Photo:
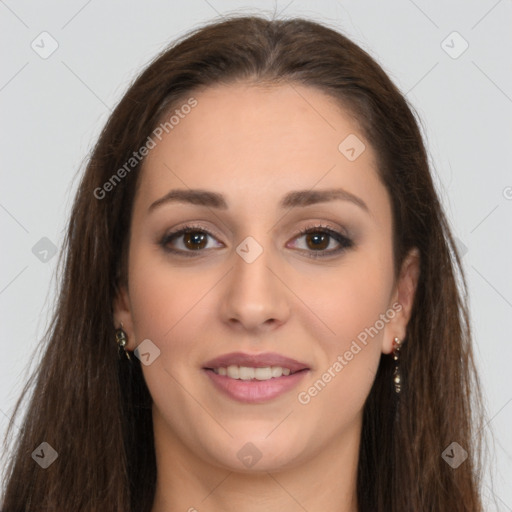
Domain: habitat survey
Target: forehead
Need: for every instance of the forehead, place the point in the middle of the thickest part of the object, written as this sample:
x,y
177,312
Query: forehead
x,y
250,141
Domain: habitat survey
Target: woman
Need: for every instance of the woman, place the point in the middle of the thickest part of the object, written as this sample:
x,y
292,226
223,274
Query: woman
x,y
258,233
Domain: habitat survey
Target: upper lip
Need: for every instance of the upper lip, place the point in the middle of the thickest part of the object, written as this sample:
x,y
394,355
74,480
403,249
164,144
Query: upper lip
x,y
255,361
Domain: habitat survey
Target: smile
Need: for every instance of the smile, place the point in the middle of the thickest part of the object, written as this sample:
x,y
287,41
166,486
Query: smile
x,y
254,378
249,373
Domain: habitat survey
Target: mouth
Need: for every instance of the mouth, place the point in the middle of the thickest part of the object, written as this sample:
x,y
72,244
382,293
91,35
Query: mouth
x,y
255,378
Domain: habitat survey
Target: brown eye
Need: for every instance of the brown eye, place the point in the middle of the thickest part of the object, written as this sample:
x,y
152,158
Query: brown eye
x,y
195,240
187,240
319,238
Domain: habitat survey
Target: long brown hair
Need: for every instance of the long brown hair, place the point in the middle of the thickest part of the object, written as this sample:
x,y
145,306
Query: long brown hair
x,y
95,409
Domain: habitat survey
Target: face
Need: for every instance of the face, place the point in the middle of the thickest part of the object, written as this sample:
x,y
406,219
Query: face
x,y
264,278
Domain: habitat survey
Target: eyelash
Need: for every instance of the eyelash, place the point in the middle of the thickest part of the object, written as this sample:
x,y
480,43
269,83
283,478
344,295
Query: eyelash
x,y
345,243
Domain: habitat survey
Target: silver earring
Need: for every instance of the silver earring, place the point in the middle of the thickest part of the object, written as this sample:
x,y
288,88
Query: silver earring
x,y
396,372
121,342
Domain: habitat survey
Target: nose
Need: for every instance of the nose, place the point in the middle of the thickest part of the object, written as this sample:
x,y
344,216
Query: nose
x,y
255,296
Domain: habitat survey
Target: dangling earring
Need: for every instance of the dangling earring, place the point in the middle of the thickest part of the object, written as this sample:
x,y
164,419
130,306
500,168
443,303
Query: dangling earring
x,y
121,341
396,372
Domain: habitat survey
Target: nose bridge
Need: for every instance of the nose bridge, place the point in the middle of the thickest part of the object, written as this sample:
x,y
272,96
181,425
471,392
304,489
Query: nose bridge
x,y
255,295
251,266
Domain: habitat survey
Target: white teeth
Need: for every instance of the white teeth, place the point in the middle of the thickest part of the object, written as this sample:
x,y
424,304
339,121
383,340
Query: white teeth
x,y
248,373
233,371
245,373
263,373
276,371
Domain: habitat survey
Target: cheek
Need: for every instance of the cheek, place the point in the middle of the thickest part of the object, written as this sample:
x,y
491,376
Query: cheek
x,y
356,310
349,358
162,296
357,294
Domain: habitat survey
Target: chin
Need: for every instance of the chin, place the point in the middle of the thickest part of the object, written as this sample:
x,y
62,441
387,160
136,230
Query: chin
x,y
252,453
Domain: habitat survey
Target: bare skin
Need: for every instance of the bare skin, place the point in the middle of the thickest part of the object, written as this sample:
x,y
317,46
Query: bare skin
x,y
254,145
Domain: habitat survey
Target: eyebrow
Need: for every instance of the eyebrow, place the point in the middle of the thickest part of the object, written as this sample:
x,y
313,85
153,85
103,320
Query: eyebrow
x,y
292,199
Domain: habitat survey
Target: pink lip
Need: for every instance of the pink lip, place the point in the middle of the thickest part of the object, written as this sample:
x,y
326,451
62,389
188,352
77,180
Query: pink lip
x,y
255,361
255,391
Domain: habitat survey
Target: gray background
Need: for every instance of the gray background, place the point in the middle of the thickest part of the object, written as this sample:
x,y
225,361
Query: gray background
x,y
53,108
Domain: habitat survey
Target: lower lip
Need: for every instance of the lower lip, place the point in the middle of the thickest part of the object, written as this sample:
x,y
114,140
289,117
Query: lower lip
x,y
255,391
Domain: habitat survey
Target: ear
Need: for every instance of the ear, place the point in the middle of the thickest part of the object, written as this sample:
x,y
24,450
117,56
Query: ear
x,y
123,315
402,298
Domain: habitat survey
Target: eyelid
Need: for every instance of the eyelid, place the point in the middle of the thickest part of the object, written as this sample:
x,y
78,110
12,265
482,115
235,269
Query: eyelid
x,y
189,226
